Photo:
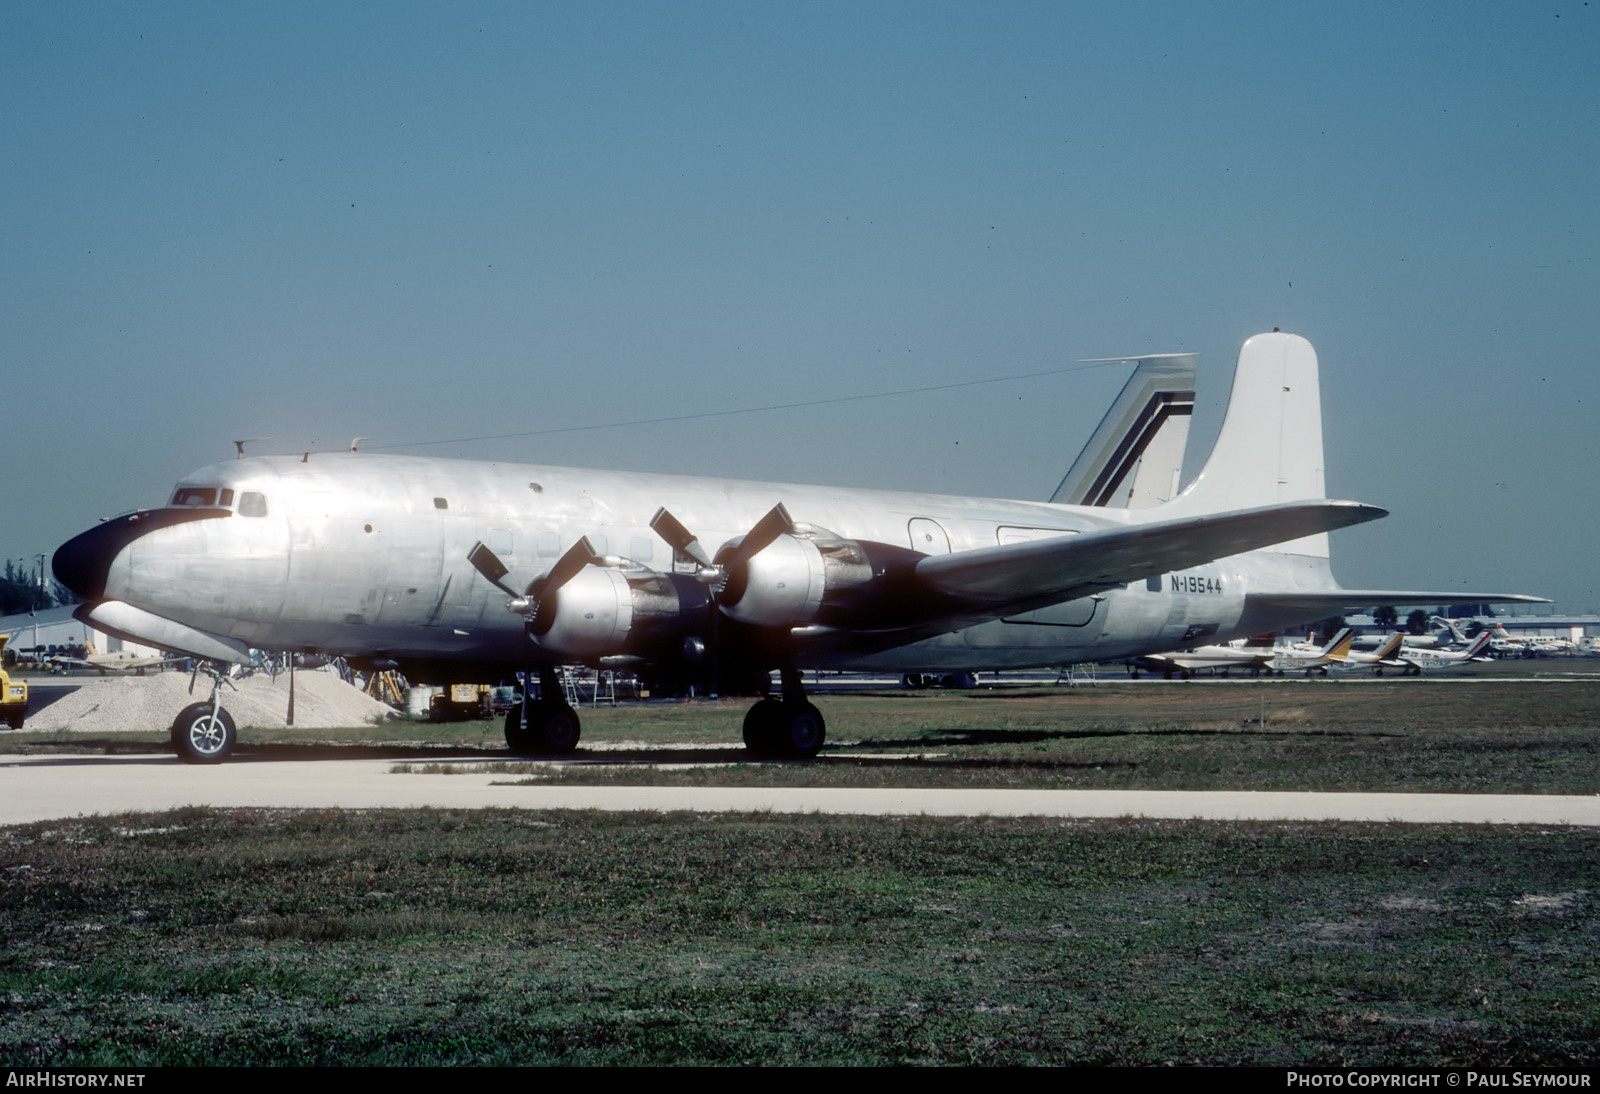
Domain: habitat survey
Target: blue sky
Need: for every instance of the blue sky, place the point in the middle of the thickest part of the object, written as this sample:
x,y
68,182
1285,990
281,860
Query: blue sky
x,y
309,222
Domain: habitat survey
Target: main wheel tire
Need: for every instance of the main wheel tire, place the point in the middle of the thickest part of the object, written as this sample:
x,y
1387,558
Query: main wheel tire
x,y
552,729
559,728
802,732
201,737
761,728
518,738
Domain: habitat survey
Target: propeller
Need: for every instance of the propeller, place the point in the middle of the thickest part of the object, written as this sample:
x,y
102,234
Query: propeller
x,y
567,567
487,563
728,573
679,538
777,522
538,600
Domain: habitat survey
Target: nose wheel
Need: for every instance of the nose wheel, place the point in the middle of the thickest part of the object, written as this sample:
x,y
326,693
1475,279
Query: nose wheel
x,y
203,733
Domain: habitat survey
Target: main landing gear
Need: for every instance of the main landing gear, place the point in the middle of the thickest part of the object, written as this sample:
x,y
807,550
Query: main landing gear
x,y
787,728
546,726
203,733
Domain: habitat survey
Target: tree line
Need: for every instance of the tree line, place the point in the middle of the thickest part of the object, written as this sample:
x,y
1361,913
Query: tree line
x,y
20,593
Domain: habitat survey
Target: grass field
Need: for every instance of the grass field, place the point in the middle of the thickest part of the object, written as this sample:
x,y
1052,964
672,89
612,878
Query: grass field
x,y
392,938
1403,735
239,937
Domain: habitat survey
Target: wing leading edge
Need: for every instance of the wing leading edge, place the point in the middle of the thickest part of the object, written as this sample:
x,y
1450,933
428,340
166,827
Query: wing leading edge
x,y
1315,602
998,580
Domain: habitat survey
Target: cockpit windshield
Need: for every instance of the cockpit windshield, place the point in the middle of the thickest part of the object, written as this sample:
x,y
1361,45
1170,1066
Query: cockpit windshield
x,y
201,497
194,497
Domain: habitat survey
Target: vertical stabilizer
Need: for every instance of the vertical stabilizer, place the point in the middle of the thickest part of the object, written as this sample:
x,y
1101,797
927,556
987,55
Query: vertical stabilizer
x,y
1269,449
1133,459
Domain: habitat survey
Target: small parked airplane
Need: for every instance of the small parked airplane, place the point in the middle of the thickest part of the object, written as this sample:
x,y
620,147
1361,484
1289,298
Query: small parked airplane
x,y
1542,645
1254,654
114,661
1436,659
1504,644
1384,657
1313,660
393,562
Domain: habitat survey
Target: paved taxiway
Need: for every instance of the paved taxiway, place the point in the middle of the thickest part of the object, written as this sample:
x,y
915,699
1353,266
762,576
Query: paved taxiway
x,y
37,788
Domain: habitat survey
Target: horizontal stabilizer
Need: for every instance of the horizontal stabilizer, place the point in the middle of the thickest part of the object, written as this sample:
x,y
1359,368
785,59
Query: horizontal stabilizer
x,y
1049,570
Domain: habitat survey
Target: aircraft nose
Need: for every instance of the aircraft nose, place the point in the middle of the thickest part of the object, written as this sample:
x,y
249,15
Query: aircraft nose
x,y
83,563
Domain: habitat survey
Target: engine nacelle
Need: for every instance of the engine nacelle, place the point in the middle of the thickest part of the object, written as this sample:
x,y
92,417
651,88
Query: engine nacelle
x,y
789,581
614,609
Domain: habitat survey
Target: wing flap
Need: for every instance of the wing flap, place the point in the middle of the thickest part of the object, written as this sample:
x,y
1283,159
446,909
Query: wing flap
x,y
1050,570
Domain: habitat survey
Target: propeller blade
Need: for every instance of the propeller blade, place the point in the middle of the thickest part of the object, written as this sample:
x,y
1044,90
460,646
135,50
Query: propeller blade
x,y
489,565
543,590
671,529
776,523
567,567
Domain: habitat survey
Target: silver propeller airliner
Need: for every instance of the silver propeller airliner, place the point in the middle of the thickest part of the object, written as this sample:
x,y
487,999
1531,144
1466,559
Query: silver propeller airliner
x,y
457,571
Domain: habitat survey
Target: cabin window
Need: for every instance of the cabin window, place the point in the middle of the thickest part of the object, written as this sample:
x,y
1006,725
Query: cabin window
x,y
252,504
195,497
547,544
441,503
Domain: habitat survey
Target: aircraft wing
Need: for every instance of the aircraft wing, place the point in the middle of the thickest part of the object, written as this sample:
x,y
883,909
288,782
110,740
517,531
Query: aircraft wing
x,y
1329,601
1048,571
122,664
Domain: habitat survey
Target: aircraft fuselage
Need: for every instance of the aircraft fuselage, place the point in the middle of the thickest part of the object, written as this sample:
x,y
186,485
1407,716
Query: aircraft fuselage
x,y
366,556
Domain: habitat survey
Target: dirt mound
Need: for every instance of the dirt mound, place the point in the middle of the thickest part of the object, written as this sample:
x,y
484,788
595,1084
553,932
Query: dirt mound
x,y
149,703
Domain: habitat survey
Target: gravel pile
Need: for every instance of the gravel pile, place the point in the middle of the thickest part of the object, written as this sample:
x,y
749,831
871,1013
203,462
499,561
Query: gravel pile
x,y
150,703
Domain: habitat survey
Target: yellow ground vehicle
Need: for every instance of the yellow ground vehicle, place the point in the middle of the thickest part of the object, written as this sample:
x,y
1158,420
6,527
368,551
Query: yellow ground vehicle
x,y
13,696
463,701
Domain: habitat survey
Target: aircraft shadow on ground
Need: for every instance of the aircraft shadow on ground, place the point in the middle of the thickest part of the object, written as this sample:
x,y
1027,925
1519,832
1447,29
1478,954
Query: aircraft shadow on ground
x,y
89,752
975,736
96,750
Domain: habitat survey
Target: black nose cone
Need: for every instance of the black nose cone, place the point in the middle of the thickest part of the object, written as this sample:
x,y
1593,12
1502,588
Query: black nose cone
x,y
83,562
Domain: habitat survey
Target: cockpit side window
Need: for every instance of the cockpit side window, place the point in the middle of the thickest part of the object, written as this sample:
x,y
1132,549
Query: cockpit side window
x,y
252,504
194,497
225,498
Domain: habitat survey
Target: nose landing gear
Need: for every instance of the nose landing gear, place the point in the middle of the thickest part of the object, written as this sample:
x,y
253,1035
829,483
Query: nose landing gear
x,y
203,733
